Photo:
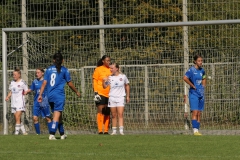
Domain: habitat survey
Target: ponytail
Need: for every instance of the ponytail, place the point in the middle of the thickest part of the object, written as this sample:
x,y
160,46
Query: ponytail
x,y
58,59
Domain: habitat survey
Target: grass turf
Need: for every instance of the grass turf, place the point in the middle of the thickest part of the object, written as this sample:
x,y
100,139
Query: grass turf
x,y
134,147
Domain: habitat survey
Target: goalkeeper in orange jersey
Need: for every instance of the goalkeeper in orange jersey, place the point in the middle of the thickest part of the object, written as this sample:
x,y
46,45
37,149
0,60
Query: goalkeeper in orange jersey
x,y
101,95
195,77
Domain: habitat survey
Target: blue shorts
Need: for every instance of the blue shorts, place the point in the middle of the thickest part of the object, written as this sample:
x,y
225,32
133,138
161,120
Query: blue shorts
x,y
57,106
196,103
41,111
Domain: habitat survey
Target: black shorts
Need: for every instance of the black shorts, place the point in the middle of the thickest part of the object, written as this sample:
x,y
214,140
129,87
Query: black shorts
x,y
104,101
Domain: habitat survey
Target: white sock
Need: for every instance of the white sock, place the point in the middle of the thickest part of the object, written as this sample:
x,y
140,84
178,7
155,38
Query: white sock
x,y
17,128
121,129
114,129
195,130
23,128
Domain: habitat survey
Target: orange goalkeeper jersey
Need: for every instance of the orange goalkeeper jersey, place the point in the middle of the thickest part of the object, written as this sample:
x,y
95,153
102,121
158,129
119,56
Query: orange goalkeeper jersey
x,y
98,75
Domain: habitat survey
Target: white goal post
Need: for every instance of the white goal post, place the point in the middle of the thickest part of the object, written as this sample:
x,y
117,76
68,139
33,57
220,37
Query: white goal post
x,y
92,27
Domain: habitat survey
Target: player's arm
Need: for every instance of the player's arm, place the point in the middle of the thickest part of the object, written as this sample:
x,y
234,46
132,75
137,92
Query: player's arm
x,y
41,90
127,88
105,82
28,91
8,96
32,87
71,85
186,79
25,87
95,81
204,82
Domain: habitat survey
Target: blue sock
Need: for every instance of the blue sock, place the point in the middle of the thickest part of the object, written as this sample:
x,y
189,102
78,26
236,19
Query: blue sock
x,y
194,124
37,128
61,129
54,127
198,125
49,124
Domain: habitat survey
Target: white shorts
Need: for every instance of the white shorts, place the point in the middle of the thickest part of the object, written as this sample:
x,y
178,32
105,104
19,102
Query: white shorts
x,y
116,101
14,110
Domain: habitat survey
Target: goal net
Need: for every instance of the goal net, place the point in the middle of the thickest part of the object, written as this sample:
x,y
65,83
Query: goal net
x,y
153,59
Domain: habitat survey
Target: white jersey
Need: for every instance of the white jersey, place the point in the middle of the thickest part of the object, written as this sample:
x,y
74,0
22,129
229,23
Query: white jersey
x,y
17,89
117,85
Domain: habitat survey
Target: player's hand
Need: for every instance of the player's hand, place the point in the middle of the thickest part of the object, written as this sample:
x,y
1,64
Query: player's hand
x,y
39,99
127,99
7,99
78,94
106,81
97,97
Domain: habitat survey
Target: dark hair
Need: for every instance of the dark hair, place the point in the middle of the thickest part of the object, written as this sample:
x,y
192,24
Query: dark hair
x,y
196,57
17,69
100,63
40,69
58,59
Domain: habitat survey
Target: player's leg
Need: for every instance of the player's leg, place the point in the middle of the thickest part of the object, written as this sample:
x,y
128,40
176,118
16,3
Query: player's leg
x,y
47,115
54,124
193,100
200,108
106,119
120,110
61,128
103,115
49,122
36,124
36,111
17,121
114,119
120,118
19,125
100,118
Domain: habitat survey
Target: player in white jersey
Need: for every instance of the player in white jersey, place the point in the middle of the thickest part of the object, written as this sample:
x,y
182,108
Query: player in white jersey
x,y
119,90
18,88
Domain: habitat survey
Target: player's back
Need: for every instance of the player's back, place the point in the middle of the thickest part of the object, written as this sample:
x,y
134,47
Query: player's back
x,y
56,82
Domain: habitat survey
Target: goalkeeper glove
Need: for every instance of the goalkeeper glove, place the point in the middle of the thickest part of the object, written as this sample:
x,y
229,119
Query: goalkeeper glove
x,y
97,97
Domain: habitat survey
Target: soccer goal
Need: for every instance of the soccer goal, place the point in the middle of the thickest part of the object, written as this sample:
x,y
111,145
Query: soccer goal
x,y
154,56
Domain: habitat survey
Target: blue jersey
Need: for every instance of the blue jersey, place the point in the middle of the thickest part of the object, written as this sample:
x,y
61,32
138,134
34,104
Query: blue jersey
x,y
196,76
56,82
36,86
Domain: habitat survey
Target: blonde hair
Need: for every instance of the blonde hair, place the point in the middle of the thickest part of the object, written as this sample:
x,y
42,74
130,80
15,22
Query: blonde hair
x,y
117,66
17,69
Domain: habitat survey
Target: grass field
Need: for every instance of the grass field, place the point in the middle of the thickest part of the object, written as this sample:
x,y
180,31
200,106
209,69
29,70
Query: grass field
x,y
127,147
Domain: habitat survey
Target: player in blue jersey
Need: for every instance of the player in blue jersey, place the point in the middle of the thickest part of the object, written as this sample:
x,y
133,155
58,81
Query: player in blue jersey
x,y
195,77
40,109
55,78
